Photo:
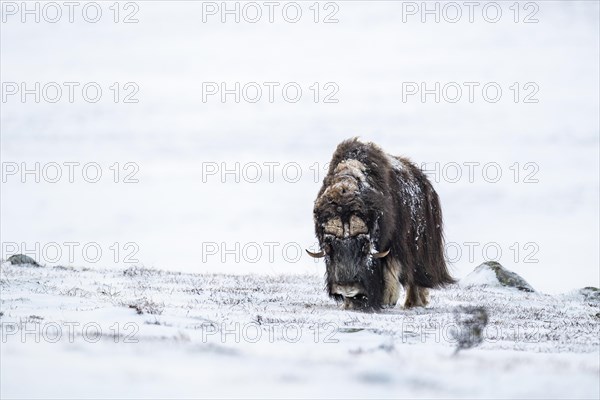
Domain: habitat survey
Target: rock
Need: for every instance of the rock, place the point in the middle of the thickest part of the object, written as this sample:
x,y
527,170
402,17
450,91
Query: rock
x,y
470,324
21,259
591,293
491,273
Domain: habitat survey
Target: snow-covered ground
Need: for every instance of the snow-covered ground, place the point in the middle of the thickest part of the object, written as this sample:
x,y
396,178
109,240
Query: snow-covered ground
x,y
79,333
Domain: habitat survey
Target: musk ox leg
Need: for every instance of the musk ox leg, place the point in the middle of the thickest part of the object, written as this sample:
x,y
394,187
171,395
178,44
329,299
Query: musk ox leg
x,y
391,282
416,296
424,296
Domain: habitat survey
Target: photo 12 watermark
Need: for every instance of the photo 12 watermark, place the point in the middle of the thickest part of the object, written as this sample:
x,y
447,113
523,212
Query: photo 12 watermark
x,y
481,172
36,330
254,332
70,172
273,252
454,332
54,12
452,12
472,172
73,252
251,252
269,92
70,92
253,12
469,92
525,252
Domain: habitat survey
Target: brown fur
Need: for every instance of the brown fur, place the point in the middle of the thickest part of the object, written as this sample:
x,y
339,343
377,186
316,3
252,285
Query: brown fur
x,y
400,211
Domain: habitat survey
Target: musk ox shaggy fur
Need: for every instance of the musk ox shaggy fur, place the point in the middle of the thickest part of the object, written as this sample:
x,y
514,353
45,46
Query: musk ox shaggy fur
x,y
379,225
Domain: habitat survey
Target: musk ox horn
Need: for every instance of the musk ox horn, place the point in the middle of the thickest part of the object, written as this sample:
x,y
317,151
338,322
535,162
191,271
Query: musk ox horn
x,y
381,254
320,254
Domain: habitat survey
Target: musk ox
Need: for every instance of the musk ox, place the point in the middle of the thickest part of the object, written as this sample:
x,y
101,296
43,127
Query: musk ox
x,y
379,225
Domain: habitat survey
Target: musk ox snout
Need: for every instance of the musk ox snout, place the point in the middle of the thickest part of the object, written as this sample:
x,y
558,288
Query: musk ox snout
x,y
348,289
352,272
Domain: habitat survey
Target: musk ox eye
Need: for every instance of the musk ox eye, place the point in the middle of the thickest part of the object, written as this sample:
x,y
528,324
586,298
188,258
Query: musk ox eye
x,y
334,227
357,226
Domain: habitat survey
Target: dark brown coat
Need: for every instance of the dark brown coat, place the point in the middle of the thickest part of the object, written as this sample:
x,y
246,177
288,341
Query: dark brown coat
x,y
371,202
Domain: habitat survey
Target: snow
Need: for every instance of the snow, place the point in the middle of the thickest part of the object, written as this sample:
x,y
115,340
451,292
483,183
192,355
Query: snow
x,y
483,276
395,162
217,335
353,169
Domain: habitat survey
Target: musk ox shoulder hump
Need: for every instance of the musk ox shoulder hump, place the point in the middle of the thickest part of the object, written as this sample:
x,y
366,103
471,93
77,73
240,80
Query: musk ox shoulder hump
x,y
363,160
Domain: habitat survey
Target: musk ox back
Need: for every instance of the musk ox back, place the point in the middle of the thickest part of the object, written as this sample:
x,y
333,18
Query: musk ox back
x,y
379,225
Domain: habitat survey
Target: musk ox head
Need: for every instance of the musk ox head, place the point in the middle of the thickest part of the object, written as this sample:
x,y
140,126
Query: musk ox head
x,y
348,231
